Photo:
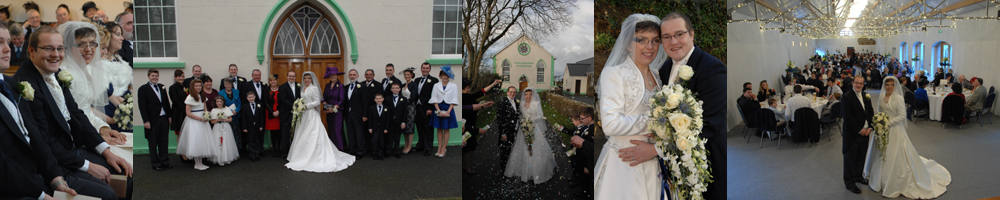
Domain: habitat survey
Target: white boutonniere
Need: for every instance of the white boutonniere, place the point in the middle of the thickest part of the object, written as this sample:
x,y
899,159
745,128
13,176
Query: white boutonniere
x,y
357,86
385,110
868,96
685,72
400,99
428,80
27,92
298,84
258,105
65,78
517,101
243,80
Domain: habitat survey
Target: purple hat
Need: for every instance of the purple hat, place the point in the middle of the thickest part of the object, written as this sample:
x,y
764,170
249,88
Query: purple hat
x,y
330,71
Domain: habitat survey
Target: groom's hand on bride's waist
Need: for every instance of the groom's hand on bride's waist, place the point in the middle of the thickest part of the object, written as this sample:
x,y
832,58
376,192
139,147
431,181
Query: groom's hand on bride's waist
x,y
642,151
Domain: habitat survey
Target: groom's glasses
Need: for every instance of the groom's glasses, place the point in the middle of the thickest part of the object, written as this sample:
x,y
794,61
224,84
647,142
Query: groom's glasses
x,y
678,36
646,41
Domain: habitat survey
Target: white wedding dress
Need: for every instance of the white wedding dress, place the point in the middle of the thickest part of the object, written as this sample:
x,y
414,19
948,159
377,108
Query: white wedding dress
x,y
311,148
904,171
540,165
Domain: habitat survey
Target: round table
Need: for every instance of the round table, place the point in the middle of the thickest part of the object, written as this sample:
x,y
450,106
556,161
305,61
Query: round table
x,y
934,102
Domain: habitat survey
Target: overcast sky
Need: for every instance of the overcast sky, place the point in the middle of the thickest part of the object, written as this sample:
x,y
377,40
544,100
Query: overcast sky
x,y
576,42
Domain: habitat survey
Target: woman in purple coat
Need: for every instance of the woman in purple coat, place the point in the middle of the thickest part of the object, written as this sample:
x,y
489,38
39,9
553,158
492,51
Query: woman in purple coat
x,y
333,98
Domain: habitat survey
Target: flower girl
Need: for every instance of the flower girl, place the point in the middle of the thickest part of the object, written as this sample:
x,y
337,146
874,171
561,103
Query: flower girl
x,y
196,142
225,147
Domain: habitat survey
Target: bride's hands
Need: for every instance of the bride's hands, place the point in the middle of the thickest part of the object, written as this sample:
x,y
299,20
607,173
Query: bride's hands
x,y
642,151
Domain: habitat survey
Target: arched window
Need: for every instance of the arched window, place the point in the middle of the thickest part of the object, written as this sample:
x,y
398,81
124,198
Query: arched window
x,y
918,52
902,52
506,69
541,70
942,50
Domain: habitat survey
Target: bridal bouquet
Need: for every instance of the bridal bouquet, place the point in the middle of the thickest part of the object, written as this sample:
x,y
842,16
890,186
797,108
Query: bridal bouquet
x,y
297,108
676,121
527,128
123,115
881,126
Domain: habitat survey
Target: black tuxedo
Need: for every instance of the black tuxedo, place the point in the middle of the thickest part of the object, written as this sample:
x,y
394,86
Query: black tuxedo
x,y
421,95
709,83
386,85
399,114
377,123
126,52
27,167
584,158
285,102
855,145
187,81
150,108
507,119
249,86
18,57
356,108
253,118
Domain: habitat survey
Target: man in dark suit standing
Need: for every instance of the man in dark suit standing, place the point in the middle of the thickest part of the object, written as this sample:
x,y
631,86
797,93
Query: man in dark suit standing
x,y
287,94
379,116
253,125
389,78
369,88
238,81
424,85
508,117
256,85
125,20
858,113
397,104
155,111
195,74
708,82
355,112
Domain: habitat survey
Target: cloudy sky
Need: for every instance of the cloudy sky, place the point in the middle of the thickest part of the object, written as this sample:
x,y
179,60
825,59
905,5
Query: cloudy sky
x,y
576,42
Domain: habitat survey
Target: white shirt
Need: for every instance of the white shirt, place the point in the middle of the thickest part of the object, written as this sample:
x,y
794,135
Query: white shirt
x,y
292,85
158,97
794,103
512,104
257,85
677,64
862,100
60,100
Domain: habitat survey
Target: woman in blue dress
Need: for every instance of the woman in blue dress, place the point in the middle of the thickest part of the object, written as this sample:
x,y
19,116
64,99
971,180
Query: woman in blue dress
x,y
444,98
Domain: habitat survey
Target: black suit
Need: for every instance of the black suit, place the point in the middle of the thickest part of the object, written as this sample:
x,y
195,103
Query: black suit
x,y
187,81
355,111
18,57
27,168
387,85
425,133
508,118
377,123
584,158
249,86
285,102
709,83
177,95
126,52
155,110
253,123
855,145
399,112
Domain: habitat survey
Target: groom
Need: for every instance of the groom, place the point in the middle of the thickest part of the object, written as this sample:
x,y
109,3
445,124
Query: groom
x,y
708,82
287,94
507,118
858,115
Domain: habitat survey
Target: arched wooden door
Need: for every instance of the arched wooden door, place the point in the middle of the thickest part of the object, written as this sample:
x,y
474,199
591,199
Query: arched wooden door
x,y
306,40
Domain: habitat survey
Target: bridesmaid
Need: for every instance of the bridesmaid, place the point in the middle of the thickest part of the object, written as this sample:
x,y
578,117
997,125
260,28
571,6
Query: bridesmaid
x,y
196,142
273,124
333,98
411,112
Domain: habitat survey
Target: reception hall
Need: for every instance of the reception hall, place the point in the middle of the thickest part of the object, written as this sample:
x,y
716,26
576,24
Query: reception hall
x,y
863,99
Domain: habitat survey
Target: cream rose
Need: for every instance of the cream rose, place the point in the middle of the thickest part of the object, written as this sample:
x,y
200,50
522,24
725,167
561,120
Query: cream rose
x,y
682,144
673,100
685,72
27,91
679,121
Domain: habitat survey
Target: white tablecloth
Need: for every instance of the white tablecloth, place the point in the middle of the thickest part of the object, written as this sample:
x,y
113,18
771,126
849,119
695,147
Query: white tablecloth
x,y
935,102
816,105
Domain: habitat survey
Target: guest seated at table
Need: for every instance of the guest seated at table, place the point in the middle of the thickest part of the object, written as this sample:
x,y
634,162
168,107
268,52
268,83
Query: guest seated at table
x,y
939,74
778,113
832,88
921,94
904,82
957,91
796,102
764,92
975,102
908,84
749,105
816,83
965,82
829,105
747,85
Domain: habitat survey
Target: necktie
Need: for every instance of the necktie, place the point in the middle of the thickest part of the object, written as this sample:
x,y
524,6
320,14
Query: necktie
x,y
394,98
6,91
253,108
379,110
385,84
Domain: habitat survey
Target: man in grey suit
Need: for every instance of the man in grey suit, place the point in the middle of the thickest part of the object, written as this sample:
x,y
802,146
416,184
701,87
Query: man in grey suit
x,y
975,102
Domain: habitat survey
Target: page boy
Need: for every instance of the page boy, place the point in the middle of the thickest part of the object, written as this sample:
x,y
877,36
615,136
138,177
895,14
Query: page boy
x,y
378,120
253,125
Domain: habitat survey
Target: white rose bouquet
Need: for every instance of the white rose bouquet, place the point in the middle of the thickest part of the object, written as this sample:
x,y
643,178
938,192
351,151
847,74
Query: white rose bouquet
x,y
881,126
297,108
527,128
676,121
123,115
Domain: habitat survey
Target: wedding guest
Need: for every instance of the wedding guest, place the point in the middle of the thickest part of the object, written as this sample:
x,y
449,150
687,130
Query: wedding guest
x,y
938,75
832,88
778,113
398,105
253,125
100,16
956,90
125,20
834,98
921,94
965,82
237,80
178,93
904,84
34,20
444,99
748,85
410,108
355,112
154,108
583,158
224,150
470,109
5,17
791,85
196,142
765,91
195,74
273,122
796,102
19,48
378,125
232,99
208,91
749,106
333,101
89,9
62,15
390,78
422,89
975,103
255,84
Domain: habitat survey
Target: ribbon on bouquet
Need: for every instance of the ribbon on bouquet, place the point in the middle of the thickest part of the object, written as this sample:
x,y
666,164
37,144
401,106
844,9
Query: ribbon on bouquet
x,y
665,186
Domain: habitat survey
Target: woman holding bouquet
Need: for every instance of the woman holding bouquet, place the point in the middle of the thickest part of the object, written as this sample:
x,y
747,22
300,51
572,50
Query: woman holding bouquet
x,y
900,170
311,148
444,98
531,158
624,103
222,133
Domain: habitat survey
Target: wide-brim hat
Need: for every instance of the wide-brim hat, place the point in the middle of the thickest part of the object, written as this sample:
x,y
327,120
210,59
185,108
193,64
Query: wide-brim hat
x,y
447,70
411,69
330,71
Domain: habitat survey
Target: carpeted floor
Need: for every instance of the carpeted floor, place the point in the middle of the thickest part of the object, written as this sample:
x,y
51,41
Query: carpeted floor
x,y
415,176
971,155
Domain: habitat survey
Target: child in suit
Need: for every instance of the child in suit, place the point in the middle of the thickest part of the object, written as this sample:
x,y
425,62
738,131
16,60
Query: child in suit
x,y
583,160
253,125
378,121
397,104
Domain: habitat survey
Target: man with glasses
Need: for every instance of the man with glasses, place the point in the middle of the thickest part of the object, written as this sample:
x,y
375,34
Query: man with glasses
x,y
583,159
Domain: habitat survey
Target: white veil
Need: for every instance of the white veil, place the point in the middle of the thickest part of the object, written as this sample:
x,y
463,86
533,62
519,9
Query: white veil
x,y
534,109
622,51
89,85
895,98
312,84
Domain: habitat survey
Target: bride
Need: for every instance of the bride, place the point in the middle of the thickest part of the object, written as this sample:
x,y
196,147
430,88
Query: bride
x,y
311,148
91,77
903,171
540,163
625,89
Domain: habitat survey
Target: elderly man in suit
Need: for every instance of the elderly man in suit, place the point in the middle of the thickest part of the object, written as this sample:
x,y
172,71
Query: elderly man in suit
x,y
975,102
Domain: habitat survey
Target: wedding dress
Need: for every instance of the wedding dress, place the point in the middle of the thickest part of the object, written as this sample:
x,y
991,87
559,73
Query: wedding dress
x,y
540,164
904,171
311,148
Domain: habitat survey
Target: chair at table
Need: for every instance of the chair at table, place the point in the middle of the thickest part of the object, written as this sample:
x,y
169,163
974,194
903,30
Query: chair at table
x,y
953,111
831,120
986,109
768,125
912,107
806,125
992,90
747,124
